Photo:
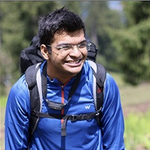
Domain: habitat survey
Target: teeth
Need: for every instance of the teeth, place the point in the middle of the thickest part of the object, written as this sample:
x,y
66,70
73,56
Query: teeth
x,y
73,62
77,61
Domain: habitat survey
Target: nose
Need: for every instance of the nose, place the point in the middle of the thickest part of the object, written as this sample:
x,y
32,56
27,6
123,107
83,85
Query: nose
x,y
75,51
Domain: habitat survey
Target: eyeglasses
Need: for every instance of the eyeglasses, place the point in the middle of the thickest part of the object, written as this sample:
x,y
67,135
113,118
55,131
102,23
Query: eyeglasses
x,y
67,47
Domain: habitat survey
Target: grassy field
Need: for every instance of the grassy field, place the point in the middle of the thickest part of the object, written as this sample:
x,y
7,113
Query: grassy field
x,y
137,123
2,113
132,95
136,107
137,134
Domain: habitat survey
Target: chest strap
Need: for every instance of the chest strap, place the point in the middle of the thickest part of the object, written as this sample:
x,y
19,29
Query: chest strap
x,y
73,118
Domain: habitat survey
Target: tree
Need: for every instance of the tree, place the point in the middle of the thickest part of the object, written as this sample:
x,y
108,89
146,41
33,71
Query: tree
x,y
19,25
99,18
133,42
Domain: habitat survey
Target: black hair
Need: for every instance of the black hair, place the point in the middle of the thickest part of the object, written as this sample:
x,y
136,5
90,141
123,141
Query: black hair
x,y
58,21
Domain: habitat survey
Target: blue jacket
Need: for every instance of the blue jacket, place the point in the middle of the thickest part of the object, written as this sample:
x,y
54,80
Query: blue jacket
x,y
81,135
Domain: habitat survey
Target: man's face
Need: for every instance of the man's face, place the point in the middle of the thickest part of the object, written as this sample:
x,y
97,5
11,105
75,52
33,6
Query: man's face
x,y
68,53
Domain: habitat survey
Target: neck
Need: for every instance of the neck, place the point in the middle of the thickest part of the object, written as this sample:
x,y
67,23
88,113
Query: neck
x,y
62,77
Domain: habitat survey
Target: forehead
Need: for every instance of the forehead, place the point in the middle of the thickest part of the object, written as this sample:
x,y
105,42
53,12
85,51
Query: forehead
x,y
65,37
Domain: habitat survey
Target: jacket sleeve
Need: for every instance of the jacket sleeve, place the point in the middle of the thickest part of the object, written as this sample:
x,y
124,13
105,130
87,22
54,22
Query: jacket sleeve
x,y
17,117
112,117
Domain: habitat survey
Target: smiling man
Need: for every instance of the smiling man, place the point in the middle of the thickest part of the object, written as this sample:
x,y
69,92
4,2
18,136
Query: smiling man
x,y
64,48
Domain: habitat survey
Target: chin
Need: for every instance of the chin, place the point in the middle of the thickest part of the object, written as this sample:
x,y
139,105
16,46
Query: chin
x,y
74,71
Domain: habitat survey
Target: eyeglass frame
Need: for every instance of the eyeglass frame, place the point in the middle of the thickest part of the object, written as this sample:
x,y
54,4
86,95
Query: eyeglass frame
x,y
70,46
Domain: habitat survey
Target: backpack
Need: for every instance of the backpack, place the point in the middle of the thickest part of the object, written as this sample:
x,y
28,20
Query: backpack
x,y
30,61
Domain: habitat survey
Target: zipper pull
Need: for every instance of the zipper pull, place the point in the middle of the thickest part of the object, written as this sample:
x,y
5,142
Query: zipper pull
x,y
62,87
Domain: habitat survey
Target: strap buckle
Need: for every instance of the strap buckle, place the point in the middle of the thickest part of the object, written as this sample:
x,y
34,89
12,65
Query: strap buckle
x,y
98,111
74,118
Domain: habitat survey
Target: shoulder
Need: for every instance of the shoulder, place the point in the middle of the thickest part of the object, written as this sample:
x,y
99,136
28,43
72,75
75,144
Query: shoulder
x,y
111,91
19,94
110,81
111,88
20,85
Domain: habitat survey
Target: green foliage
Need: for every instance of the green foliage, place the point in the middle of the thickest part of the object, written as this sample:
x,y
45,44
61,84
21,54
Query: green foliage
x,y
137,132
19,25
132,43
3,100
133,16
99,17
130,49
5,71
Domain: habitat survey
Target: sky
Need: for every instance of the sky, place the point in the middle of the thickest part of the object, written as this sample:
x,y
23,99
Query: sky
x,y
115,5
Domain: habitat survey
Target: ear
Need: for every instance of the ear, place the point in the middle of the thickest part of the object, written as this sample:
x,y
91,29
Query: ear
x,y
44,51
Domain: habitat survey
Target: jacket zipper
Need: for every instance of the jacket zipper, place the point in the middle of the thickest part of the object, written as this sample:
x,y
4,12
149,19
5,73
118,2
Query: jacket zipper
x,y
62,98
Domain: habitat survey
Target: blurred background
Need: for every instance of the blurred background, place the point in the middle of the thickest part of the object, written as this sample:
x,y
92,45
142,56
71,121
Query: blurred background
x,y
121,32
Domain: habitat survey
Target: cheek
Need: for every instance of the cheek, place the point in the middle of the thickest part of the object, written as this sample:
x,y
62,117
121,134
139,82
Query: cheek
x,y
54,59
85,53
57,60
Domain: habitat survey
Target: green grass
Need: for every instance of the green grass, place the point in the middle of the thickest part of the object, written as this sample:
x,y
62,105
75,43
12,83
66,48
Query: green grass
x,y
137,133
137,126
131,95
3,100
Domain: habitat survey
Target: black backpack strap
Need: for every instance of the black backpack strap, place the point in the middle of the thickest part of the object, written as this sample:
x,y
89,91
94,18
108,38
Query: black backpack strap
x,y
65,117
99,76
32,74
60,106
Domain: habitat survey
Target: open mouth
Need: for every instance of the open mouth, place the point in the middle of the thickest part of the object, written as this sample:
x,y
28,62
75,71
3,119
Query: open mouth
x,y
74,62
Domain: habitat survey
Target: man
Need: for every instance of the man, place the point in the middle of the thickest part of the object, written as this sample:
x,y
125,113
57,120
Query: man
x,y
63,45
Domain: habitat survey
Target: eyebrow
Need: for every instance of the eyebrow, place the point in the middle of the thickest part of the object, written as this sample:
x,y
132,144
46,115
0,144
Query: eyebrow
x,y
71,44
